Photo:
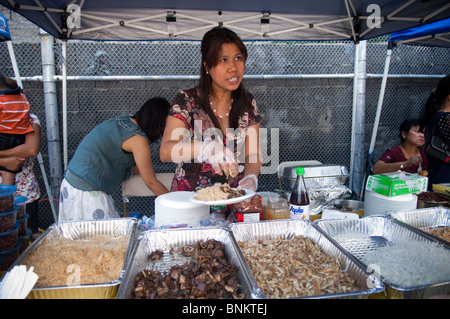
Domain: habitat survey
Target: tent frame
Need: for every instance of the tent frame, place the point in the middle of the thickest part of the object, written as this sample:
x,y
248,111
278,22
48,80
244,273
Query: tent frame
x,y
262,18
292,22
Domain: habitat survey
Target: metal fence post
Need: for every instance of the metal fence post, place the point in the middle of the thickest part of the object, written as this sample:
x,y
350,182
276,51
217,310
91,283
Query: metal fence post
x,y
359,115
51,112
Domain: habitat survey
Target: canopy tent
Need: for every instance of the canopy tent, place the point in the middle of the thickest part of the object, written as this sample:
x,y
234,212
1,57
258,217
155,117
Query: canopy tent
x,y
252,19
136,20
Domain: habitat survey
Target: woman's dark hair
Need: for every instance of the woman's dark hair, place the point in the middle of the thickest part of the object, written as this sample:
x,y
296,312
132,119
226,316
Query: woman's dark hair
x,y
435,101
210,49
4,80
151,117
406,126
7,82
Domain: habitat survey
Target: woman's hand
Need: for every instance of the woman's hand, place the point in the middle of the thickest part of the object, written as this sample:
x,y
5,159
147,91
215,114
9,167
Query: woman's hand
x,y
381,167
220,157
249,182
415,160
12,163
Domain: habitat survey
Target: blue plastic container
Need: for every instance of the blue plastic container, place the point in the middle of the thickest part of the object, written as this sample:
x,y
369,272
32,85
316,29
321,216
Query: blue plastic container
x,y
8,240
25,240
7,198
8,257
8,220
21,202
23,222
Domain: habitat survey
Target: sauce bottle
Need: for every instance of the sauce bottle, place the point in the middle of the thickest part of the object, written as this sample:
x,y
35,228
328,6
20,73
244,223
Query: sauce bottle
x,y
299,200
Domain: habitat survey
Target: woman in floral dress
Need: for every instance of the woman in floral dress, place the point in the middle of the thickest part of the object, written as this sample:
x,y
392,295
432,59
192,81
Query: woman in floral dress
x,y
212,131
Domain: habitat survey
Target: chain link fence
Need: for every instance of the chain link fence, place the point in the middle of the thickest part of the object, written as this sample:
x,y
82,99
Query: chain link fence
x,y
312,115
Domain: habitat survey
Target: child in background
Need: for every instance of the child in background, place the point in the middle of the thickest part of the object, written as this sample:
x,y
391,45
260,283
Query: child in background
x,y
15,120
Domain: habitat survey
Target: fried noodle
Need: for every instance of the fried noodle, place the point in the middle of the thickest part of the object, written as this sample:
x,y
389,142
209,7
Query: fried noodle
x,y
97,260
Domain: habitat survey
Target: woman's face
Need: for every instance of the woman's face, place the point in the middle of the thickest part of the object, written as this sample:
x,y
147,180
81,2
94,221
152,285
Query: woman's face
x,y
414,136
228,73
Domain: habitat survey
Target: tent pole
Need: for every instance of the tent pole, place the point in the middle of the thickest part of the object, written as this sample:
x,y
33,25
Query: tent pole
x,y
371,155
51,112
380,99
14,63
355,94
47,187
64,100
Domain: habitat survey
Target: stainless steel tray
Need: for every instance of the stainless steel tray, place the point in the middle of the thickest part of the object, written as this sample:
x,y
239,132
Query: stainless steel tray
x,y
84,230
171,239
287,229
426,218
317,176
358,237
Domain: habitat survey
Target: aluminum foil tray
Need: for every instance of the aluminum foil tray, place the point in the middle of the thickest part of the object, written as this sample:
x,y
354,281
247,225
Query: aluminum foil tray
x,y
317,176
171,239
360,236
423,219
84,230
287,229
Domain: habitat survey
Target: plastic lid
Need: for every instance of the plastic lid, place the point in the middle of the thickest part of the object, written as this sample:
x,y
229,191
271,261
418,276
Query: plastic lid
x,y
181,199
7,189
20,199
300,171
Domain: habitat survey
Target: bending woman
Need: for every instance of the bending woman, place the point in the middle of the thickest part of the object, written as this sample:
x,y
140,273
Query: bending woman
x,y
212,131
107,156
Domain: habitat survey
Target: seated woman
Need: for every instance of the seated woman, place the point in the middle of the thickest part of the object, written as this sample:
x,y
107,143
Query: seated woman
x,y
409,156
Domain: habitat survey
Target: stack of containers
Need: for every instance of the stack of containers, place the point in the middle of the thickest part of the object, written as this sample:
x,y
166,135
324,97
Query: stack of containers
x,y
9,228
22,218
393,192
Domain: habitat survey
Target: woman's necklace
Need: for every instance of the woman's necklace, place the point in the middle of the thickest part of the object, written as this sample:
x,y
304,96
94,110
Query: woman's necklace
x,y
409,154
215,111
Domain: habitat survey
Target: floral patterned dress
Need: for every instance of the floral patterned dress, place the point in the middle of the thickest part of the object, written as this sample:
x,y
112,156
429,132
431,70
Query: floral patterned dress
x,y
190,176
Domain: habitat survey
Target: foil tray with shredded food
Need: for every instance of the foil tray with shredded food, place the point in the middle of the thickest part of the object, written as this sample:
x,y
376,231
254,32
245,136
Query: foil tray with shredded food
x,y
84,230
288,229
366,236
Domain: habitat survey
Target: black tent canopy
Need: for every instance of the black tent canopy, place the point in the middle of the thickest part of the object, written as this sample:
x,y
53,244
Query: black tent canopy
x,y
252,19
